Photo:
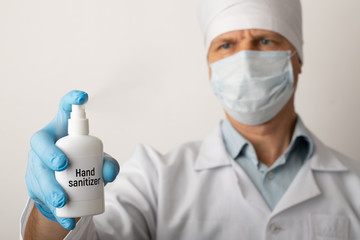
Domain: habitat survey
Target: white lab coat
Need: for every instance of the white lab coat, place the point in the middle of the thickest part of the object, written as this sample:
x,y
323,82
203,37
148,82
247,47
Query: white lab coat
x,y
197,191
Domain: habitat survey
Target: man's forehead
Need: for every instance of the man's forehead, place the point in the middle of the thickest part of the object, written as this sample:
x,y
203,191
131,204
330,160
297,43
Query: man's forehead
x,y
249,33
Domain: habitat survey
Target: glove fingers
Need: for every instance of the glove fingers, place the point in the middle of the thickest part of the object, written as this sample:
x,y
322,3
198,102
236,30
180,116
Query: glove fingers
x,y
34,189
111,168
45,191
51,193
31,183
43,144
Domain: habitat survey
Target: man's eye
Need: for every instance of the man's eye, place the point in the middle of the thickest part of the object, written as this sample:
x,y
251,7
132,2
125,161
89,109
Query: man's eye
x,y
265,41
226,46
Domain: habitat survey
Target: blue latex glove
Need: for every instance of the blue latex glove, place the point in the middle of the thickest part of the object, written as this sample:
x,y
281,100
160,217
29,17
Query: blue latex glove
x,y
45,158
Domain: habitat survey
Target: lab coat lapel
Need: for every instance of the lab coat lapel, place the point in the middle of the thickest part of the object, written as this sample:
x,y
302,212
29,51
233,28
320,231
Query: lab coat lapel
x,y
304,186
249,191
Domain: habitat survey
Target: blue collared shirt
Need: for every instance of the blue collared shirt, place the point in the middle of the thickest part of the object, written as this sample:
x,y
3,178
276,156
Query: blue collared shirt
x,y
272,182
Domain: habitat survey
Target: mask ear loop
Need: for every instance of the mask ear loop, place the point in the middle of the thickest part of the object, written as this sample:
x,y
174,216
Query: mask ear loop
x,y
293,54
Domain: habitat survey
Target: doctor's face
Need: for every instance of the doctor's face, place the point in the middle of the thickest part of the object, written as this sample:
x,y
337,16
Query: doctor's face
x,y
232,42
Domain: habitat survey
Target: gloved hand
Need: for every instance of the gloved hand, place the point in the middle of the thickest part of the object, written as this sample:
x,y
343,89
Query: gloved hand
x,y
45,158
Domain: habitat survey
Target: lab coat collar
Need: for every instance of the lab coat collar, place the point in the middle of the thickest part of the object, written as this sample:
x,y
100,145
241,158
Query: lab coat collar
x,y
325,159
304,186
212,153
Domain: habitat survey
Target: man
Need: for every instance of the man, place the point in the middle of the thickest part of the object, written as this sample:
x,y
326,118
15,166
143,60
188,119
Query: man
x,y
259,175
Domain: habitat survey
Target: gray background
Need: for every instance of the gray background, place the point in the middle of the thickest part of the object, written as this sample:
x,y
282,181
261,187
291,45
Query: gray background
x,y
143,65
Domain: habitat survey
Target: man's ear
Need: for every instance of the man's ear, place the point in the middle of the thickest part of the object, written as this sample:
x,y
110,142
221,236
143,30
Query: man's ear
x,y
300,64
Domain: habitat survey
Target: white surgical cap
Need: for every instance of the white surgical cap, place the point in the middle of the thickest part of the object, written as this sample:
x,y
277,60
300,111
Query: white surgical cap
x,y
282,16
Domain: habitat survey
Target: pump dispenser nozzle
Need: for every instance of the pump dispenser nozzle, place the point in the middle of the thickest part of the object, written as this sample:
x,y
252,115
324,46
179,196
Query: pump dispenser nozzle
x,y
78,123
78,112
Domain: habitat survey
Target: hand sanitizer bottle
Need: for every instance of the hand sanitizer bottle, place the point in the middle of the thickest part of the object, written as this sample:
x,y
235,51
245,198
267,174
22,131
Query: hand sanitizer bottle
x,y
82,180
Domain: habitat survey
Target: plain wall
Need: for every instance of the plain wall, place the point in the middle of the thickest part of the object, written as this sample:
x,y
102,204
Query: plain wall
x,y
143,65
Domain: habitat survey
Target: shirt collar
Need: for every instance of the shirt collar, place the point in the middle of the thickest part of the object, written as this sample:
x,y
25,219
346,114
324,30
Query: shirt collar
x,y
235,143
301,132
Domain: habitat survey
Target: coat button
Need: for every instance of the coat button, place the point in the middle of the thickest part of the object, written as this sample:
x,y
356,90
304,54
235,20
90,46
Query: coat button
x,y
275,228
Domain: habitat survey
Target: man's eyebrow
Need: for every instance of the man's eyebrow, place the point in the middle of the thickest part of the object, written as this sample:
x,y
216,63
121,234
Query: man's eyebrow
x,y
223,39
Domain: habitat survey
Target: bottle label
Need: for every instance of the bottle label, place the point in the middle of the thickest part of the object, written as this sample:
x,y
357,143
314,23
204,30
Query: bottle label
x,y
82,179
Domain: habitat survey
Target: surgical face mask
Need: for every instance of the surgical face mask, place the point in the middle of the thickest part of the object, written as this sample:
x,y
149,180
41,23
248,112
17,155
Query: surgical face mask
x,y
253,86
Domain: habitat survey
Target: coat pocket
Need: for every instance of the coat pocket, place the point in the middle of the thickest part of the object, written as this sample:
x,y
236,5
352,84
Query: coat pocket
x,y
329,227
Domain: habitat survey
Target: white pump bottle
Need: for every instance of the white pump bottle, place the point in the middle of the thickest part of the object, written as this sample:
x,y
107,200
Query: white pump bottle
x,y
82,179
